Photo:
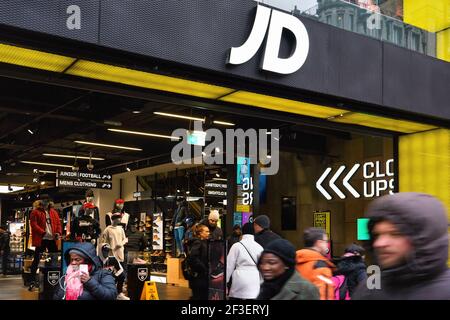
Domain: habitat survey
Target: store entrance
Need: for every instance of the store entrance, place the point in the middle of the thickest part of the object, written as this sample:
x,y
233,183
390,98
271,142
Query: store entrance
x,y
101,155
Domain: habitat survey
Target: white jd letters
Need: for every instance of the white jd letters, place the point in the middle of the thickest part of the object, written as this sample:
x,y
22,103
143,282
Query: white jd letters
x,y
74,20
273,22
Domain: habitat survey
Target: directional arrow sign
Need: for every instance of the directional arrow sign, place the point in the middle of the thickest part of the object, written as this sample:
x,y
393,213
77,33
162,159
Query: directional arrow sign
x,y
333,180
319,184
83,184
348,177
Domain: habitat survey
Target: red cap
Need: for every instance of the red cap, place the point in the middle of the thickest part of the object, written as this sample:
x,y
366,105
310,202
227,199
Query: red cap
x,y
88,205
119,201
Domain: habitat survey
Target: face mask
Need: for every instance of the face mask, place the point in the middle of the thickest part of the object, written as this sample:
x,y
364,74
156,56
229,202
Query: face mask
x,y
74,286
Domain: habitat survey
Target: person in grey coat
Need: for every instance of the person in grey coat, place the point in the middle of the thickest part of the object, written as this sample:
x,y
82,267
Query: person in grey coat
x,y
281,280
409,241
99,284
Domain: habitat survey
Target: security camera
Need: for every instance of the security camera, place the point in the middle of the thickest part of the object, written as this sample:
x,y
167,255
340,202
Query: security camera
x,y
90,166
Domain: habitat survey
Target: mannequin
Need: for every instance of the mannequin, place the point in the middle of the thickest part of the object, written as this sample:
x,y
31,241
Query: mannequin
x,y
118,207
181,213
85,227
114,236
94,213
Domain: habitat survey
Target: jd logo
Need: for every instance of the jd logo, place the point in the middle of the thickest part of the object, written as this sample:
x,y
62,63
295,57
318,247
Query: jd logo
x,y
142,273
274,21
53,277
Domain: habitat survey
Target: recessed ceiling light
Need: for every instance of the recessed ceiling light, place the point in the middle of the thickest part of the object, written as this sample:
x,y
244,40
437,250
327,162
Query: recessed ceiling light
x,y
47,164
70,156
224,123
172,115
148,134
107,145
136,111
30,131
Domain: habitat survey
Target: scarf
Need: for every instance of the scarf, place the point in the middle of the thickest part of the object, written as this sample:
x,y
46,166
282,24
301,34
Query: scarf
x,y
74,287
271,288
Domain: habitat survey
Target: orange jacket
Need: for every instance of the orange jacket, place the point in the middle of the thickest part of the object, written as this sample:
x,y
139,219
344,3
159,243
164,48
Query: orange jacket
x,y
317,269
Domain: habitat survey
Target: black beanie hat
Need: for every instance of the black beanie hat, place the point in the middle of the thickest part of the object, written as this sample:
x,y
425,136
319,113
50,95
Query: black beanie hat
x,y
263,221
247,228
282,249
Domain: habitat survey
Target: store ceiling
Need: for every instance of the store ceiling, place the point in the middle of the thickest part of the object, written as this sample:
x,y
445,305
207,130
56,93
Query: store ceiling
x,y
38,118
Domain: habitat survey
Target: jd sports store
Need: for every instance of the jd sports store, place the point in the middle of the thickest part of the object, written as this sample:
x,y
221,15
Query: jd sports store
x,y
348,130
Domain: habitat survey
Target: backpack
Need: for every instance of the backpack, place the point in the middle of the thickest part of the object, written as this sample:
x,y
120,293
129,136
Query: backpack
x,y
340,288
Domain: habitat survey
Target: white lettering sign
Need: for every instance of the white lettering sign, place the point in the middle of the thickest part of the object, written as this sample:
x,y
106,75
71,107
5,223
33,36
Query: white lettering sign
x,y
272,22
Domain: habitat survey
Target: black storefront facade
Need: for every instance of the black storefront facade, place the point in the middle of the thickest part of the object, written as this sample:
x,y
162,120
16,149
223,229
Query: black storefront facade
x,y
179,52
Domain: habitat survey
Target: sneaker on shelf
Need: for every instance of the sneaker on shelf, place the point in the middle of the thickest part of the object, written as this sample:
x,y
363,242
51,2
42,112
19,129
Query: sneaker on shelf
x,y
156,243
121,296
155,230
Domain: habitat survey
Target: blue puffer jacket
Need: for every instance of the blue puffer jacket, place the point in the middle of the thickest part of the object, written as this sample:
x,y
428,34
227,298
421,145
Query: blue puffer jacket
x,y
101,286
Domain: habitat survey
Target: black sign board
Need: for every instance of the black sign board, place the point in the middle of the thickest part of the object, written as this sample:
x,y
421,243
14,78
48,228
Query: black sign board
x,y
84,175
83,184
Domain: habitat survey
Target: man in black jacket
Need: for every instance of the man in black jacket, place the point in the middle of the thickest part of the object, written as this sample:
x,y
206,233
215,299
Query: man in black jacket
x,y
409,240
263,234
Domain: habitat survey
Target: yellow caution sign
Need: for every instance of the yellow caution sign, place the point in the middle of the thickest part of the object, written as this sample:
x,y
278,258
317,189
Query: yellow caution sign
x,y
149,291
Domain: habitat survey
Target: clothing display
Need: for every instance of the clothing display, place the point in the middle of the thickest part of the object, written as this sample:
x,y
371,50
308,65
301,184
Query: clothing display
x,y
85,228
115,237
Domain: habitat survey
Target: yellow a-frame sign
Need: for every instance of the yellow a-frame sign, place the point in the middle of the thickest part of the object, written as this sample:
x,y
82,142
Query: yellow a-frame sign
x,y
149,291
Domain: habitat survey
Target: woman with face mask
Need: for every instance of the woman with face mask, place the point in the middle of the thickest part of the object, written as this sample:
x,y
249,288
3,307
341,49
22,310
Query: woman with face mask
x,y
281,280
85,279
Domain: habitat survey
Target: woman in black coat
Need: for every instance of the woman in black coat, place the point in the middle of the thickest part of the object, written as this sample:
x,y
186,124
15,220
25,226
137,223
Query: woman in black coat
x,y
197,259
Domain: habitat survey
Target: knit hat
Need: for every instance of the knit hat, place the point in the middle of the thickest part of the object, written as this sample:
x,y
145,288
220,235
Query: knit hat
x,y
78,252
263,221
119,201
282,249
247,228
88,205
214,215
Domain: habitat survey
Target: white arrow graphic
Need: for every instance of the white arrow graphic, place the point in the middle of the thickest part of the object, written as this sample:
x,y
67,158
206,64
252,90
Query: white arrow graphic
x,y
333,180
319,184
348,185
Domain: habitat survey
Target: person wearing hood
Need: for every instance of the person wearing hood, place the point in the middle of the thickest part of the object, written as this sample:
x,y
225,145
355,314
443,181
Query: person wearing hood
x,y
76,284
281,281
242,266
312,263
263,234
409,242
235,236
352,267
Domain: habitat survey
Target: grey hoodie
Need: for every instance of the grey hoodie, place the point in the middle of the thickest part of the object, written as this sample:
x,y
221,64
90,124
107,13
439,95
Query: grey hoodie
x,y
425,275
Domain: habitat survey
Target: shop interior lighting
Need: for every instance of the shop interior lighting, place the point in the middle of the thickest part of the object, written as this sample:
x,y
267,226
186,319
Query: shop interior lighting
x,y
144,134
9,189
219,179
107,145
30,131
224,123
47,164
382,122
128,169
70,156
42,183
179,116
281,104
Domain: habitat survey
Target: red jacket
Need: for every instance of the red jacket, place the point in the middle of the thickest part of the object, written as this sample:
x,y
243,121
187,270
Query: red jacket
x,y
38,224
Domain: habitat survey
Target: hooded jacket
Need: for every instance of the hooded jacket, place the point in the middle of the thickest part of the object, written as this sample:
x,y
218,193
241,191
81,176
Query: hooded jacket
x,y
354,270
425,274
317,269
101,285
